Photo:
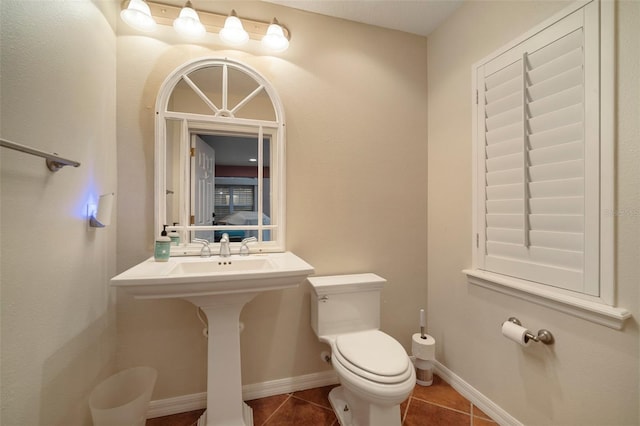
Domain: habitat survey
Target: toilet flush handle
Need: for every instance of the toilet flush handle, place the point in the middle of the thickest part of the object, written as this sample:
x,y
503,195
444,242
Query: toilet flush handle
x,y
324,299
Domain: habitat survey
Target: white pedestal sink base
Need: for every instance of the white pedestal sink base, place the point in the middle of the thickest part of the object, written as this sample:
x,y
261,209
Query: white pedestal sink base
x,y
248,416
220,287
224,376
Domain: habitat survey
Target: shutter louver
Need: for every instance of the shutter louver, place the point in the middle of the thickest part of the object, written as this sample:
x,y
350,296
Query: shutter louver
x,y
534,145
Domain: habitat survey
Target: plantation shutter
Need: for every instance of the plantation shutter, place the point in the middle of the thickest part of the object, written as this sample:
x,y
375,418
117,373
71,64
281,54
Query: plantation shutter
x,y
538,164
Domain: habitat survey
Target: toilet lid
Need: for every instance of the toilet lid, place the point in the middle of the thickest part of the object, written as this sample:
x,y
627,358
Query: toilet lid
x,y
374,352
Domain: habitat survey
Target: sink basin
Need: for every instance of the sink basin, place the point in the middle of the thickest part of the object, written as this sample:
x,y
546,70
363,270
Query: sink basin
x,y
186,277
220,286
222,265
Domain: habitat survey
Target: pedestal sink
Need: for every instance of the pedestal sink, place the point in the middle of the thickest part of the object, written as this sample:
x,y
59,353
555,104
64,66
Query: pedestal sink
x,y
220,287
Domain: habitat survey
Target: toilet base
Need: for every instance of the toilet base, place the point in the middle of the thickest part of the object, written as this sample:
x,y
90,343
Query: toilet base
x,y
339,405
360,413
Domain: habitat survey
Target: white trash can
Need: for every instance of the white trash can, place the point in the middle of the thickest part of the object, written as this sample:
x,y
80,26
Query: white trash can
x,y
123,399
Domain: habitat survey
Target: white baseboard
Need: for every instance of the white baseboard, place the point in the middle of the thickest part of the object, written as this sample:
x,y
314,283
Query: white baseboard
x,y
288,385
178,404
196,401
478,399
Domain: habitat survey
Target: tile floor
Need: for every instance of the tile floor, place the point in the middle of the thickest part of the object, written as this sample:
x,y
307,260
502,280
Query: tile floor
x,y
438,404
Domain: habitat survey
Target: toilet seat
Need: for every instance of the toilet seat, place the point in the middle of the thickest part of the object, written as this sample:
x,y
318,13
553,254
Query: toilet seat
x,y
373,355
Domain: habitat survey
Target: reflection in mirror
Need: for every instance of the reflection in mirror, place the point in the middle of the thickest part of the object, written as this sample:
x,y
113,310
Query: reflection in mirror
x,y
172,176
225,184
220,156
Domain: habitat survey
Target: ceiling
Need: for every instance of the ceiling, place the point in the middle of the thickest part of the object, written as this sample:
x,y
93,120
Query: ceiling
x,y
413,16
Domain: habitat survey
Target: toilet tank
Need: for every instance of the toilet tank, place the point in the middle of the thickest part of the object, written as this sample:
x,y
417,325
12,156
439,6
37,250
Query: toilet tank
x,y
345,303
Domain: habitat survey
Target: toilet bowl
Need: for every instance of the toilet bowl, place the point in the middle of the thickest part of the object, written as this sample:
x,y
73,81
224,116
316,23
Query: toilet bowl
x,y
374,370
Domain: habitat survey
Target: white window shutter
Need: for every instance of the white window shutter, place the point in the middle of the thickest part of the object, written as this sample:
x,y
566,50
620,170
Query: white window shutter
x,y
538,151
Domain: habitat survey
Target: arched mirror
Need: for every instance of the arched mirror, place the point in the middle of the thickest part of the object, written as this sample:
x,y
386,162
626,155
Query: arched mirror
x,y
219,156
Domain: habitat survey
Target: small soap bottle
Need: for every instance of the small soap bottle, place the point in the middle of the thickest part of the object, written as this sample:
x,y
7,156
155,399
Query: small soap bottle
x,y
175,237
162,248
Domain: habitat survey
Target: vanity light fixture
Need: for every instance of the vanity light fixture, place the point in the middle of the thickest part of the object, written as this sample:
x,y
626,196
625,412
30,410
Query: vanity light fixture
x,y
144,15
233,31
275,39
188,23
138,15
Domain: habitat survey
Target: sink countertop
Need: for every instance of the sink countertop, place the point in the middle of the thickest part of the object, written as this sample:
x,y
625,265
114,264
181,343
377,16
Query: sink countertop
x,y
192,276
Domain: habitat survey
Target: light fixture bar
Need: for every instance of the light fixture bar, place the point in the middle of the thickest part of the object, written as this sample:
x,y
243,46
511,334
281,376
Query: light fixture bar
x,y
165,14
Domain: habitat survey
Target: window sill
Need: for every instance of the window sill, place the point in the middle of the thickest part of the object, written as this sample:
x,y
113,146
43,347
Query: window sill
x,y
586,309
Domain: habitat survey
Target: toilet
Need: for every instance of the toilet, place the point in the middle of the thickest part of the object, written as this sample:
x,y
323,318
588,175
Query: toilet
x,y
375,372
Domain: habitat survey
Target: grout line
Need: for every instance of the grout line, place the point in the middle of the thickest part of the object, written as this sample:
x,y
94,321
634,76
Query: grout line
x,y
406,410
311,402
443,406
483,416
276,410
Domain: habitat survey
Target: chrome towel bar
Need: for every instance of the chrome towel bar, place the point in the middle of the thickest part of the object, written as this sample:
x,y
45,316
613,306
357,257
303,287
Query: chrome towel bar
x,y
54,161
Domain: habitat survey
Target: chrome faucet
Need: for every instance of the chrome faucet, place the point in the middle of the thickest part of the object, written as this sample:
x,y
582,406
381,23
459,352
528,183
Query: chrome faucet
x,y
225,251
206,250
244,248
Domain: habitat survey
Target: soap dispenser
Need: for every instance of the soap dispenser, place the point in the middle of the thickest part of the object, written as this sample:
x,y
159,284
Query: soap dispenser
x,y
175,237
162,248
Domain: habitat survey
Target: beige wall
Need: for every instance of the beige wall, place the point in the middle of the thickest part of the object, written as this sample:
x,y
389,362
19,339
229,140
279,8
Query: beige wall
x,y
590,375
57,94
355,105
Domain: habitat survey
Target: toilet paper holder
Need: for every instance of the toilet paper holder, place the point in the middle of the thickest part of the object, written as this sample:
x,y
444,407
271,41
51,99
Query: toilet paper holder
x,y
544,336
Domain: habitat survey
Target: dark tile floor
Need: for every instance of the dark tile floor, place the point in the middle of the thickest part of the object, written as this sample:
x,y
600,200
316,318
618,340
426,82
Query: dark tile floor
x,y
438,404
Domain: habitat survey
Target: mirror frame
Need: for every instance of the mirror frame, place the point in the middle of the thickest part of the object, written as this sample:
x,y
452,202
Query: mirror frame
x,y
219,121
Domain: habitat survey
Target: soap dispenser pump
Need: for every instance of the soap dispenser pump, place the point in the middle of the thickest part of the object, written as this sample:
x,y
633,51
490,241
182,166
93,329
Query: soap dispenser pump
x,y
162,248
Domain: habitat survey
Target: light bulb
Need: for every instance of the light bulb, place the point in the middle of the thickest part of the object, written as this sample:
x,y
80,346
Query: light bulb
x,y
138,16
233,32
275,39
188,23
